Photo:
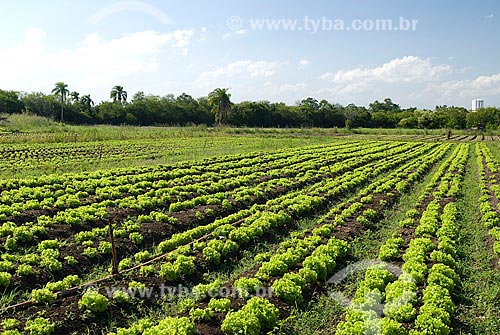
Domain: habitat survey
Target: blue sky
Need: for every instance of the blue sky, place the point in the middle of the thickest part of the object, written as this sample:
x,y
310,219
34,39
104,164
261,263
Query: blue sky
x,y
163,47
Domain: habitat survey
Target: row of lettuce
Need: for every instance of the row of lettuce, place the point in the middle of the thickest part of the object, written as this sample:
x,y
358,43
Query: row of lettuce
x,y
252,223
47,255
14,159
225,236
490,194
298,264
420,299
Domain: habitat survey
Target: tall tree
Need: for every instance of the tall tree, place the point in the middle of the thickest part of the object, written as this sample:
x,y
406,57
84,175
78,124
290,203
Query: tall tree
x,y
10,102
310,108
74,96
61,91
220,101
118,94
386,106
87,103
139,96
41,104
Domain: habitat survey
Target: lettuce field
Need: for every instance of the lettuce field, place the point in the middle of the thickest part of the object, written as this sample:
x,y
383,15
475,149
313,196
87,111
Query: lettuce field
x,y
332,235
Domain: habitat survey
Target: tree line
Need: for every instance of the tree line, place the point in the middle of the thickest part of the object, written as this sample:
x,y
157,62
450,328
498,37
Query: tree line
x,y
218,109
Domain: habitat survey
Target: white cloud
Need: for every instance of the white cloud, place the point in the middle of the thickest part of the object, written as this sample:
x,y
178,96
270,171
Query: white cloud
x,y
489,16
398,78
242,67
465,69
94,62
303,63
245,78
203,33
347,91
19,60
406,69
478,87
120,56
273,89
234,33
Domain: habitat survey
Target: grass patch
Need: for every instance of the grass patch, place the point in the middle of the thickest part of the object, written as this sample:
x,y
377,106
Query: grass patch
x,y
29,128
313,320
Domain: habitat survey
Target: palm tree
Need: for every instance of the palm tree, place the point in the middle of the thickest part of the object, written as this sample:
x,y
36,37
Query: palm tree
x,y
220,101
61,90
87,102
117,93
75,96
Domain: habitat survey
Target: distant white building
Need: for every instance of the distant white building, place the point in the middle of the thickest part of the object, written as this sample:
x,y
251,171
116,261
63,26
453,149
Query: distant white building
x,y
477,104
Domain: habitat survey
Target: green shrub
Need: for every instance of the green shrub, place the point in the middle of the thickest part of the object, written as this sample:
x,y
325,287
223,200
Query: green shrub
x,y
71,280
363,220
124,264
147,270
6,265
55,286
212,255
10,324
219,305
121,297
142,256
187,304
258,314
296,278
39,326
136,238
287,290
48,244
309,275
24,270
43,295
200,314
183,265
370,214
172,325
93,301
70,260
105,247
390,249
202,291
90,252
5,279
247,286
